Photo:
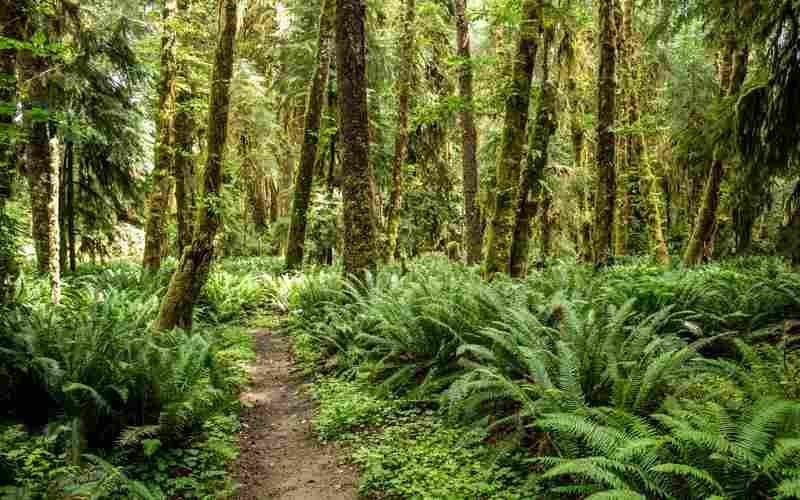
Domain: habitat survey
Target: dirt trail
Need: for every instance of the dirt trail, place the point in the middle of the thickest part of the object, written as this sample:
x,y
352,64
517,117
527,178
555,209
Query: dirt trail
x,y
280,457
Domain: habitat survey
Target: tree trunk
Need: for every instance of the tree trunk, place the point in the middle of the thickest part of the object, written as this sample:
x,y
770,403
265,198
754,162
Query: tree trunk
x,y
195,264
11,21
184,127
733,70
308,156
473,235
530,184
358,190
158,198
605,198
42,176
501,226
404,84
69,202
255,197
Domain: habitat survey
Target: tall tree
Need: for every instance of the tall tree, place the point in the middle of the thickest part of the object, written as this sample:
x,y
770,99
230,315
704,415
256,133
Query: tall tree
x,y
732,72
308,155
11,21
161,189
183,160
360,250
606,194
501,226
404,84
473,235
195,263
42,170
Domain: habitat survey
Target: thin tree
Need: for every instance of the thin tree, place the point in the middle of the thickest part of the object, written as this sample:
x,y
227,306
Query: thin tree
x,y
308,156
41,168
183,160
11,21
360,250
195,264
732,71
404,84
606,193
501,226
158,198
473,236
531,179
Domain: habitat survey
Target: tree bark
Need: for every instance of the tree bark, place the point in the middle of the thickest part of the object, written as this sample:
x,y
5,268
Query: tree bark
x,y
192,273
606,193
308,156
501,226
473,235
69,202
11,21
530,182
158,198
358,190
404,84
42,173
184,127
733,69
255,197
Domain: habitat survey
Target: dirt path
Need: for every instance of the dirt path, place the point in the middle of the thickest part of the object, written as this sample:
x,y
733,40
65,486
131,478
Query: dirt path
x,y
280,457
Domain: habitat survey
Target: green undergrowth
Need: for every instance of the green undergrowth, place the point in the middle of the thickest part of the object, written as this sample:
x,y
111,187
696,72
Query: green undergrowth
x,y
630,382
93,405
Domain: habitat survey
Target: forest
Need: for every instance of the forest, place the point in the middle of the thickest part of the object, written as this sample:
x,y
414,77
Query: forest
x,y
399,249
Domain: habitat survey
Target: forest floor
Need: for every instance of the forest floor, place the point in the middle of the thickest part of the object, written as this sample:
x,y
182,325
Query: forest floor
x,y
280,456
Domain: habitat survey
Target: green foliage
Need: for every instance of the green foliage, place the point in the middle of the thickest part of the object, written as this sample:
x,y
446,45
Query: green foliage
x,y
630,382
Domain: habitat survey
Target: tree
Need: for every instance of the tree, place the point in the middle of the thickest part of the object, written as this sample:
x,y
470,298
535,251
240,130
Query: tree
x,y
183,160
501,226
41,168
732,72
308,155
195,264
531,179
360,250
606,191
473,235
158,198
404,88
11,21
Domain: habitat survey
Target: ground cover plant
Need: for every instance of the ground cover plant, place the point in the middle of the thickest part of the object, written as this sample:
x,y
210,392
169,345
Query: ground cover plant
x,y
97,405
688,395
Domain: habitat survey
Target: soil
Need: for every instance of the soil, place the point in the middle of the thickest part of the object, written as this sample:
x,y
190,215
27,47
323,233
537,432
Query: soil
x,y
280,456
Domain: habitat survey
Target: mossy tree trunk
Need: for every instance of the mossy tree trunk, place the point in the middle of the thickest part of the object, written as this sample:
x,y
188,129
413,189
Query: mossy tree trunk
x,y
41,168
161,189
501,225
11,21
473,235
606,191
308,156
183,157
358,190
530,185
195,263
733,69
404,88
254,188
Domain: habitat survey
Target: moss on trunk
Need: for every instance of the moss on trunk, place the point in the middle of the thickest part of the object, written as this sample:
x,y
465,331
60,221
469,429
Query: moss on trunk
x,y
161,180
404,88
358,190
192,273
308,155
473,234
530,181
501,225
606,192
